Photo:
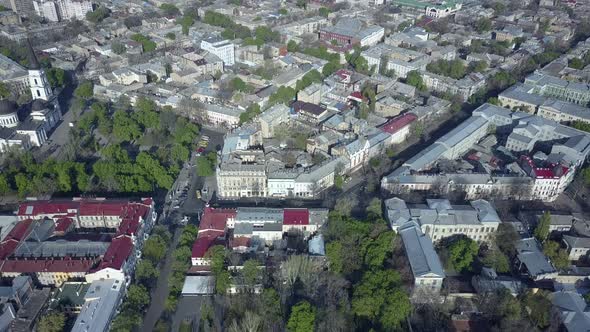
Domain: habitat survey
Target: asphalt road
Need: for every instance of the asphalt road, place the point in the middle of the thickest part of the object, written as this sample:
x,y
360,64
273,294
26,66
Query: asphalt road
x,y
160,292
189,206
189,308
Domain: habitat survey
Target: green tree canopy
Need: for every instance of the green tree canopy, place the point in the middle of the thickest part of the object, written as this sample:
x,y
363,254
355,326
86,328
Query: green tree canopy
x,y
56,77
379,298
84,90
138,297
542,230
556,254
462,253
415,79
302,318
169,9
53,322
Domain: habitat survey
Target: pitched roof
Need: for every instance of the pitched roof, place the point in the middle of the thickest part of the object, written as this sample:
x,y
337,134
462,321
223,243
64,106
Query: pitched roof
x,y
420,252
215,219
396,124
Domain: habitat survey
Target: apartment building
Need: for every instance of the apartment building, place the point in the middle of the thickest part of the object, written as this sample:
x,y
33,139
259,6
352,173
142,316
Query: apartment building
x,y
522,96
222,48
464,87
58,10
348,32
549,86
542,177
399,60
440,219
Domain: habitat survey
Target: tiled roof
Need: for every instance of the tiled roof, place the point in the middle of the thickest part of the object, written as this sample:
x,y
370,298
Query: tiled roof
x,y
36,266
215,219
396,124
296,217
205,241
117,253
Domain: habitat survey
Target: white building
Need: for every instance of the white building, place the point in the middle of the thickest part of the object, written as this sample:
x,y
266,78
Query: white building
x,y
58,10
426,266
439,219
100,305
222,48
44,113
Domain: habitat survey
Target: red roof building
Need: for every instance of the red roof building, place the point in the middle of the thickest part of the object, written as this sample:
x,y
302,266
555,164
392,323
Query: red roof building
x,y
396,124
215,219
130,218
117,253
294,217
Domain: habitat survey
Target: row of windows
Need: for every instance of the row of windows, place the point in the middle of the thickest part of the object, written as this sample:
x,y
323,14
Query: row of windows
x,y
465,230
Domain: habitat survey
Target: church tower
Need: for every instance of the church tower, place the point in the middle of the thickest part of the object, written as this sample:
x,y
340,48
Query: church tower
x,y
40,88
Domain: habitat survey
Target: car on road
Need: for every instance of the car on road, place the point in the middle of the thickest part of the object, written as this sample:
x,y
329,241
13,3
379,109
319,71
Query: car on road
x,y
205,138
205,190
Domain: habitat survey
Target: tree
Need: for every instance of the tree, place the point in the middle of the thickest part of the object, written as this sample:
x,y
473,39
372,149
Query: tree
x,y
379,298
217,256
478,66
138,297
186,22
118,48
495,259
506,238
147,44
345,204
84,90
461,253
334,255
4,91
483,25
56,77
323,11
453,68
98,15
576,63
154,249
415,79
542,230
250,272
292,46
145,271
374,208
169,9
556,254
53,322
302,318
125,128
540,308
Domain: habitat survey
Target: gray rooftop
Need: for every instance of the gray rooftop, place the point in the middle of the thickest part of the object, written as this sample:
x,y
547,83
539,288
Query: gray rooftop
x,y
420,252
101,301
530,254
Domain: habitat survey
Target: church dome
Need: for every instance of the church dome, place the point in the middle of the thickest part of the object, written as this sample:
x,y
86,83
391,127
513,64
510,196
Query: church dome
x,y
38,105
7,107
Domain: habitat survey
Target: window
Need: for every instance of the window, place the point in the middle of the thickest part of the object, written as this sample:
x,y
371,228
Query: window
x,y
38,93
36,81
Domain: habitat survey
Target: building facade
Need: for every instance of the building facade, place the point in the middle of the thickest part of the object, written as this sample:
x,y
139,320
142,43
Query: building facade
x,y
222,48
